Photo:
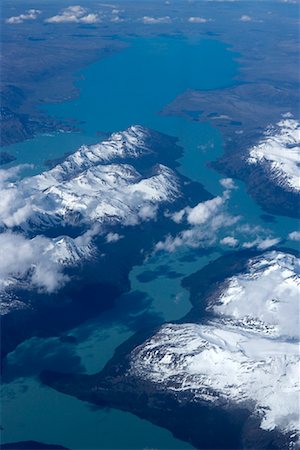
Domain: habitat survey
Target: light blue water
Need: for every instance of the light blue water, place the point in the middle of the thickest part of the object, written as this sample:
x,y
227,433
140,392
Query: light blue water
x,y
128,88
32,411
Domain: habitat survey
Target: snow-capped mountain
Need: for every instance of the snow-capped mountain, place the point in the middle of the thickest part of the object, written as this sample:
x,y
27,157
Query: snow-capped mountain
x,y
108,194
93,189
246,355
69,252
279,153
131,143
92,186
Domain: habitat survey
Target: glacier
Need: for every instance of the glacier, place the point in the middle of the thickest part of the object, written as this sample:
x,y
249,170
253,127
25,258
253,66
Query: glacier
x,y
245,354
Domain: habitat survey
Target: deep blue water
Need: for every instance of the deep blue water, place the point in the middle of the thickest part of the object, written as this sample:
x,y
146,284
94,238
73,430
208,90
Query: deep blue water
x,y
130,87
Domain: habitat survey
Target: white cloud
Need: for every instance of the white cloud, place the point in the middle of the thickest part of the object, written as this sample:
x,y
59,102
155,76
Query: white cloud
x,y
178,216
117,19
204,235
251,244
204,211
230,241
90,18
262,244
29,258
267,243
148,212
198,20
31,14
77,9
85,239
74,14
14,208
117,11
294,236
20,211
227,183
113,237
155,20
245,18
208,222
13,172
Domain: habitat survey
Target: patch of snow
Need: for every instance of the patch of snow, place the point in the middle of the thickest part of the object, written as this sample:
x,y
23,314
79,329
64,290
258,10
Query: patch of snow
x,y
279,152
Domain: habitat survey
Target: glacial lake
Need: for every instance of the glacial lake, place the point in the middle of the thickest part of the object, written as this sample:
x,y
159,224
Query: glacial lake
x,y
130,87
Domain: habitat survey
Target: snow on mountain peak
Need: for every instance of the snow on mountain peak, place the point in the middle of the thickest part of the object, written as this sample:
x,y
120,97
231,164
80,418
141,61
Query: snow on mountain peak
x,y
279,152
131,143
90,186
234,360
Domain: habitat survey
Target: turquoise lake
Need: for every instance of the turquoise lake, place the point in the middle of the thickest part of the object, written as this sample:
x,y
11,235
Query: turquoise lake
x,y
130,87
